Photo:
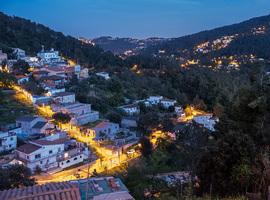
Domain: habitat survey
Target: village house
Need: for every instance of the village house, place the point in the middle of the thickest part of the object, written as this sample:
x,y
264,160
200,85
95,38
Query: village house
x,y
131,109
52,91
53,81
32,126
125,139
64,97
21,79
207,121
37,99
49,56
103,130
3,56
99,188
8,160
62,190
8,137
104,75
55,71
167,103
38,74
84,73
154,100
52,152
178,110
19,53
80,113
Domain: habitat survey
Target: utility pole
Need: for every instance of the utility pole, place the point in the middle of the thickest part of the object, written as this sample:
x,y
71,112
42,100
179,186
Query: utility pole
x,y
88,176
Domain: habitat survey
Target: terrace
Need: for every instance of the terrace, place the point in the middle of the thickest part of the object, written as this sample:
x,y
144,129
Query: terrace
x,y
94,187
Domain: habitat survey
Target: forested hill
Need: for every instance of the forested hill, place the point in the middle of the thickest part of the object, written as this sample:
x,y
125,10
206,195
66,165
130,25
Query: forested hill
x,y
122,45
30,36
248,37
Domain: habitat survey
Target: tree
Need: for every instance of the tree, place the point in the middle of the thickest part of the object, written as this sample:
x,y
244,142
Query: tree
x,y
146,147
218,110
38,170
199,103
148,121
21,67
6,79
114,117
15,176
61,118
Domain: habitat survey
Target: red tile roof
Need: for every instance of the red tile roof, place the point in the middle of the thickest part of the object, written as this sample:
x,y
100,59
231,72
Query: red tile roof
x,y
49,142
28,148
103,124
50,191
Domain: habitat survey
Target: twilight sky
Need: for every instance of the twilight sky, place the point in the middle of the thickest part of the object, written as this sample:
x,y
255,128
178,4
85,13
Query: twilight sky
x,y
135,18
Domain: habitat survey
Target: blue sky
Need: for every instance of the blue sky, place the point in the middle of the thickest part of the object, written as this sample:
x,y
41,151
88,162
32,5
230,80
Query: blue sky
x,y
135,18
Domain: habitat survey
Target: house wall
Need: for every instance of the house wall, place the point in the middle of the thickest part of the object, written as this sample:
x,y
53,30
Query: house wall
x,y
110,130
26,127
72,161
154,100
131,111
8,141
84,119
167,104
45,157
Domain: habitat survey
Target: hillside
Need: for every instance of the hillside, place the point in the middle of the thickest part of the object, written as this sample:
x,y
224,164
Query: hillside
x,y
249,37
127,46
30,36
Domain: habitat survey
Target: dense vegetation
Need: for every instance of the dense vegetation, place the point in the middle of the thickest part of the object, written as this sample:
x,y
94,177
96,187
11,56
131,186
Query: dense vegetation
x,y
21,33
15,176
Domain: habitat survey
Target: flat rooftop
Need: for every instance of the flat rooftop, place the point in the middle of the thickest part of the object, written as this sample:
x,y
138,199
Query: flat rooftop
x,y
100,186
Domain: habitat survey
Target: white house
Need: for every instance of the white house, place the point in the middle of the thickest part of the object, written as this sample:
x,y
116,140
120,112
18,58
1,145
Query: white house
x,y
21,79
64,97
52,152
3,56
154,100
80,113
52,91
49,56
32,125
104,130
37,98
104,188
104,75
8,139
178,110
166,103
19,53
131,109
207,121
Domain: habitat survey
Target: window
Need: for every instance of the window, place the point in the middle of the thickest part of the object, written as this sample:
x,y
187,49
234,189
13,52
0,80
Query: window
x,y
10,146
80,156
68,161
50,152
27,157
75,158
11,138
41,162
37,156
